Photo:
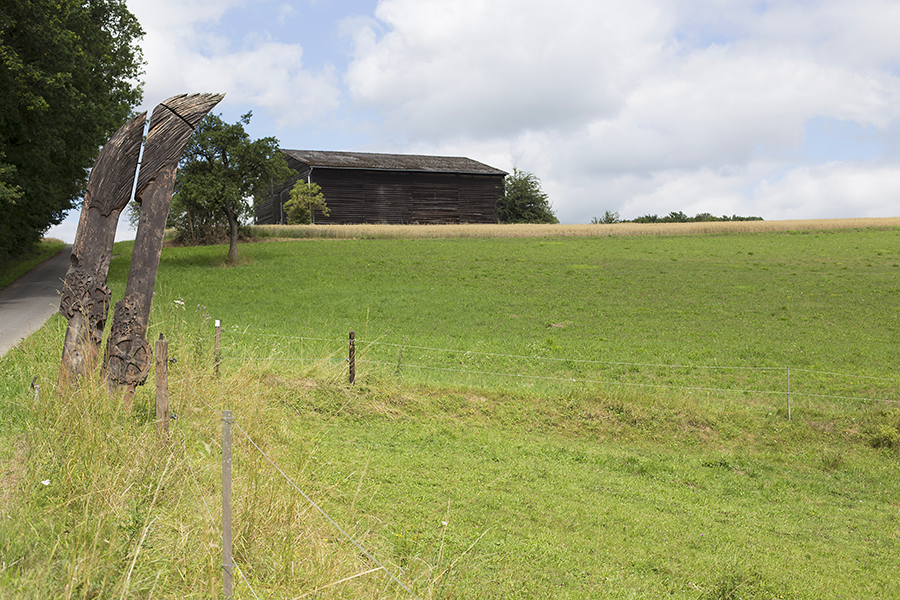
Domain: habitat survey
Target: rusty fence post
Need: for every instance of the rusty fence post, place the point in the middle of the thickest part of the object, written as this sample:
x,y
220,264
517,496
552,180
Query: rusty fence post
x,y
351,359
162,386
218,351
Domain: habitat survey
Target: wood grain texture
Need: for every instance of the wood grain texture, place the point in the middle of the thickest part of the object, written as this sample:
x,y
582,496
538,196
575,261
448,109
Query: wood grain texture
x,y
394,189
85,296
171,126
128,354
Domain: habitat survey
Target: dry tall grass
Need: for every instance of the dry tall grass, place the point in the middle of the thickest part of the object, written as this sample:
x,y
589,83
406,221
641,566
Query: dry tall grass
x,y
94,505
364,231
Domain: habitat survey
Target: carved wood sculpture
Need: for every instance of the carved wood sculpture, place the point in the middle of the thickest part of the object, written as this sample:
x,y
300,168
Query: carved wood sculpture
x,y
85,298
128,354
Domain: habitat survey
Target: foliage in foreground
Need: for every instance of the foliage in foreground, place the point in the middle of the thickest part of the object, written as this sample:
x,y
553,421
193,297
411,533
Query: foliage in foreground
x,y
94,504
68,80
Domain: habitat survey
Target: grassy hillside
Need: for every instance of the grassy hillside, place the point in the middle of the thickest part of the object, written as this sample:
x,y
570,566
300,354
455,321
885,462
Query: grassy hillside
x,y
818,301
506,468
12,270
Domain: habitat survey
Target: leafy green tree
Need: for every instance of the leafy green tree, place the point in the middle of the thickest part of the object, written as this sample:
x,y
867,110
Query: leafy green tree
x,y
675,217
523,200
306,198
9,193
221,170
608,218
68,80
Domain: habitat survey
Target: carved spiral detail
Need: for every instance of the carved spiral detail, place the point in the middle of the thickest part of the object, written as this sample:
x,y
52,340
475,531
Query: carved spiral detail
x,y
74,291
128,353
125,319
129,358
83,295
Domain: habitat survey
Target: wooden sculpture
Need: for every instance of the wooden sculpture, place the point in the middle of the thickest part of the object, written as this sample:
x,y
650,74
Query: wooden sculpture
x,y
86,297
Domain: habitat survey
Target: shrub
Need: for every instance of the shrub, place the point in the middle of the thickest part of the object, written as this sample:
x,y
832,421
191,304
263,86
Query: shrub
x,y
306,198
524,201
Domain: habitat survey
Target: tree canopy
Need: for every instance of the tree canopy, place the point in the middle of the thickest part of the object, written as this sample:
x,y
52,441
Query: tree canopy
x,y
523,200
68,80
220,171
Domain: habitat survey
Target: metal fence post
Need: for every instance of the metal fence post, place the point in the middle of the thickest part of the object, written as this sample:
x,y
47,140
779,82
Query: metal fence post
x,y
352,358
227,566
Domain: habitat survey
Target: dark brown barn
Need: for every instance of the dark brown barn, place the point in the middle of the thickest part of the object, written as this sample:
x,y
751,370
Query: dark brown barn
x,y
392,188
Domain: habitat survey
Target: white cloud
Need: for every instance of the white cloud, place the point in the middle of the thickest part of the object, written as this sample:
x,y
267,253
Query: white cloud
x,y
843,189
497,68
643,106
186,51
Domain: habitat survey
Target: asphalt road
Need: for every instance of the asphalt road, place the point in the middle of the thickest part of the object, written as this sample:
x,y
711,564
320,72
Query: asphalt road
x,y
27,303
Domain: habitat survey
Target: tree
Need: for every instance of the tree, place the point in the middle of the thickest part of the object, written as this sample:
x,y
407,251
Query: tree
x,y
306,197
221,170
68,80
523,200
608,218
9,193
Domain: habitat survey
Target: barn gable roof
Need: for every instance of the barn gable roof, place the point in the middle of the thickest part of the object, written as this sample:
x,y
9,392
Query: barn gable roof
x,y
392,162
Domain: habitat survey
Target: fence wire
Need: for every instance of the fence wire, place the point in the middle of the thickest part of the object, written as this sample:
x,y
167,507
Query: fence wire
x,y
363,345
305,496
465,352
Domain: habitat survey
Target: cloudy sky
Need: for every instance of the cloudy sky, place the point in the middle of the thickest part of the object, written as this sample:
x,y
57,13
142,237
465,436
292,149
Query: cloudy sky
x,y
784,110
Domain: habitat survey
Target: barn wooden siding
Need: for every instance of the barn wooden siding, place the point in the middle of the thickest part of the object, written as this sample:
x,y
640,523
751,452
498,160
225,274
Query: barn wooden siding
x,y
356,194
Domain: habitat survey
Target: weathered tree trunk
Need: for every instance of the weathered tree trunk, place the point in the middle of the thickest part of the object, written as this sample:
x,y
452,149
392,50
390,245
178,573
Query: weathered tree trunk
x,y
234,229
85,296
128,353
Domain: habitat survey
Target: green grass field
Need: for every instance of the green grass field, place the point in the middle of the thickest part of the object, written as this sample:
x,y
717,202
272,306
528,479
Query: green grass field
x,y
530,420
14,269
810,302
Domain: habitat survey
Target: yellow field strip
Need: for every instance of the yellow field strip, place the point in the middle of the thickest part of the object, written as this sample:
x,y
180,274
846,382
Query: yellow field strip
x,y
528,230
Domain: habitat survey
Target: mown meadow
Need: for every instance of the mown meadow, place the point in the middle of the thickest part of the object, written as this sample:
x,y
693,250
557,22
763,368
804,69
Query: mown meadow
x,y
546,417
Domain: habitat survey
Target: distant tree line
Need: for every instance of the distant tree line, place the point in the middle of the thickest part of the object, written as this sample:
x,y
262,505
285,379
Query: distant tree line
x,y
673,217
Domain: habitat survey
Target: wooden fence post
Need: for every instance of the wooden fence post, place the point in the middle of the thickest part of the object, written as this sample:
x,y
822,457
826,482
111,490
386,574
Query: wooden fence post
x,y
227,566
162,385
218,352
352,358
